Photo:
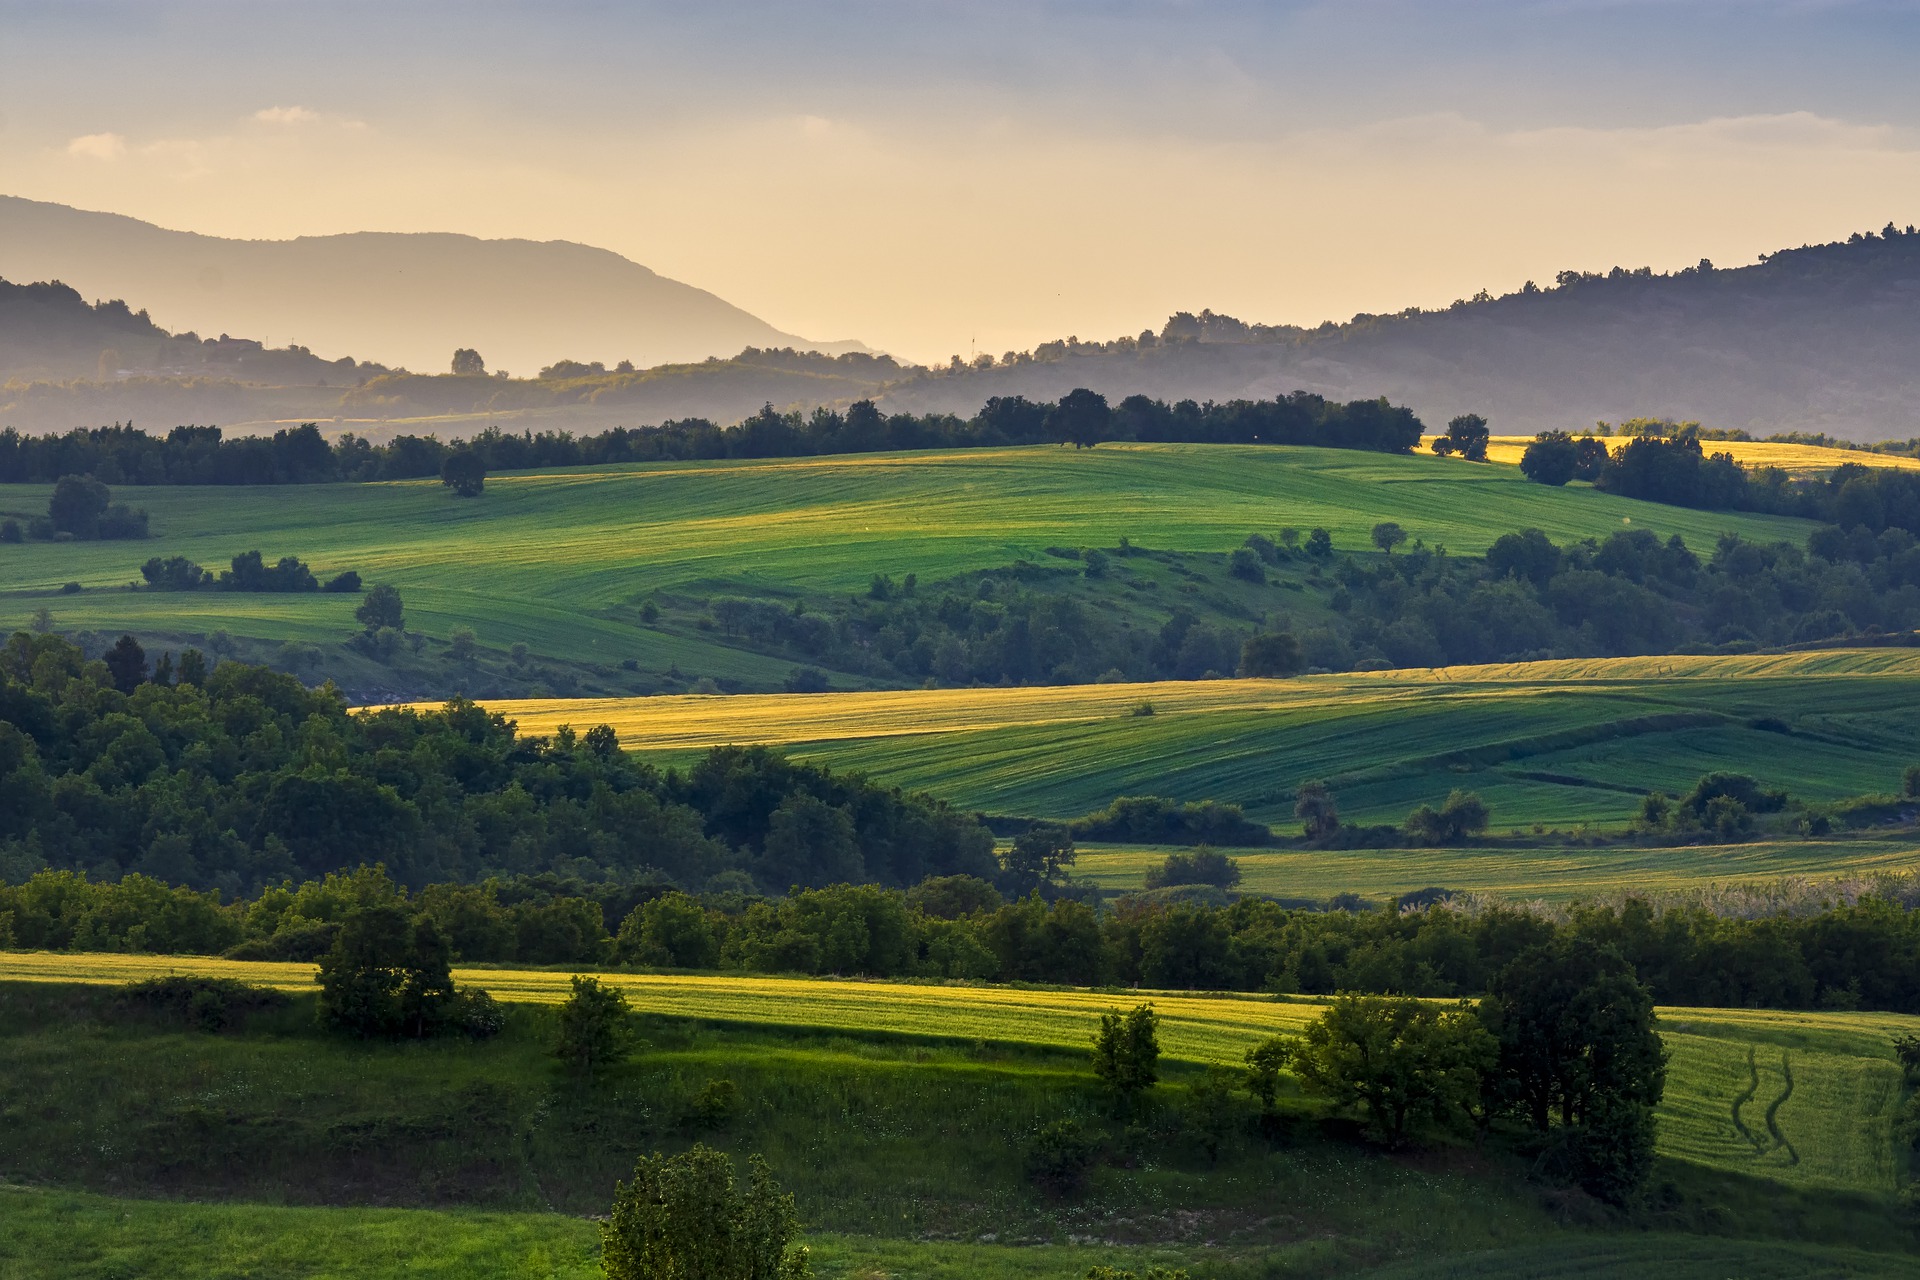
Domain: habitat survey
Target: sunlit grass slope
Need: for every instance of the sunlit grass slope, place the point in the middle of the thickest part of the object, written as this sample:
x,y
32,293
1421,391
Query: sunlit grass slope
x,y
1804,1099
560,561
1556,743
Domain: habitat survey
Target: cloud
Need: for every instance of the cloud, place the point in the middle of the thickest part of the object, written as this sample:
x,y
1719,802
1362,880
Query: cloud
x,y
286,115
98,146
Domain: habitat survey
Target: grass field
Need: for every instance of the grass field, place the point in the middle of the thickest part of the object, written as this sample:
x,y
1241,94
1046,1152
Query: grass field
x,y
1832,1129
1555,743
561,561
1551,873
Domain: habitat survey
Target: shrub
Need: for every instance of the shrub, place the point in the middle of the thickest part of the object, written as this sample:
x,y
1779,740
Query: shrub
x,y
381,608
205,1004
1202,866
593,1026
1246,565
807,680
686,1216
1463,814
1271,655
175,573
10,531
346,583
1059,1155
1126,1051
715,1106
1095,561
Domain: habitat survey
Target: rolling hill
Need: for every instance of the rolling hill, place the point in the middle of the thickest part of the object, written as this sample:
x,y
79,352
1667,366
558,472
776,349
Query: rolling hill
x,y
401,298
1810,339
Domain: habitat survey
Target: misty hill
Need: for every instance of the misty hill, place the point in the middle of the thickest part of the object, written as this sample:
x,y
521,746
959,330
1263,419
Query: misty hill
x,y
1819,338
404,298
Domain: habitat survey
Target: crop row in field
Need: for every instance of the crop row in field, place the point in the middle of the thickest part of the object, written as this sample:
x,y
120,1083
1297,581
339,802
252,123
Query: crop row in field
x,y
560,561
1831,1129
1552,743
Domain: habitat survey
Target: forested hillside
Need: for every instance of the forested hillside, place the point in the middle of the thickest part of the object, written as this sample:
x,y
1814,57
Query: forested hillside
x,y
1815,338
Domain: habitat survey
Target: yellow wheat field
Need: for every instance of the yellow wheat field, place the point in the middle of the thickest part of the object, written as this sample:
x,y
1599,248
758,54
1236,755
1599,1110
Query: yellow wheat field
x,y
1797,459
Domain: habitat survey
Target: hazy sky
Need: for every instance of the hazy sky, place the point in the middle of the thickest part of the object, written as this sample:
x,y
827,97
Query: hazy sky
x,y
922,175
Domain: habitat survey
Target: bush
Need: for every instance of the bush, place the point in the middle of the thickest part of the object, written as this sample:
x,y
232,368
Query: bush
x,y
1462,815
1059,1155
10,531
205,1004
1202,866
381,609
175,573
1910,781
345,584
715,1106
389,974
1246,565
807,680
1271,655
1126,1051
686,1216
593,1026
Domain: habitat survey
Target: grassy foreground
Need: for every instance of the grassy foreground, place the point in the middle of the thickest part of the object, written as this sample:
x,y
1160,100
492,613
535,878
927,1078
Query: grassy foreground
x,y
1831,1074
1559,743
563,561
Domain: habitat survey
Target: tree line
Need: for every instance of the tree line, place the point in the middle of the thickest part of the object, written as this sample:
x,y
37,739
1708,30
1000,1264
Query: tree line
x,y
237,777
301,455
1859,955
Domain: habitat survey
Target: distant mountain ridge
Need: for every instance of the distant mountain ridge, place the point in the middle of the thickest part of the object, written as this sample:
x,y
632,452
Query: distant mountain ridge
x,y
406,299
1820,338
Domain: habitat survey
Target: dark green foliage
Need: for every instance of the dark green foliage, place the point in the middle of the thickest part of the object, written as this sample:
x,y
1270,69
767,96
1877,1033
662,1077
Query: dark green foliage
x,y
467,363
1081,418
671,932
204,1004
10,531
465,473
1910,781
1158,820
685,1216
126,664
251,573
1202,866
594,1027
715,1107
1059,1155
1038,858
1402,1060
175,573
1319,815
1151,1273
77,505
1462,815
1319,544
1245,563
346,582
1467,435
1271,654
1265,1061
807,680
1551,459
1126,1052
388,974
381,608
1387,535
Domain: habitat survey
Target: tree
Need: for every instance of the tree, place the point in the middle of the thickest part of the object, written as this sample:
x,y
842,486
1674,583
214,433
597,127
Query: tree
x,y
1038,857
672,932
1387,535
1313,805
1245,564
193,667
1528,555
1579,1043
593,1026
1463,814
1467,435
467,362
1910,781
464,473
1080,419
127,664
1402,1060
1126,1052
1264,1064
77,505
685,1217
1202,866
388,974
1319,544
381,608
1270,655
1551,459
460,644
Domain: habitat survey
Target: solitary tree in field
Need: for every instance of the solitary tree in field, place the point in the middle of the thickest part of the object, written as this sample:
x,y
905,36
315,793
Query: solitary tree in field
x,y
1387,535
464,473
1467,435
1126,1052
467,361
685,1217
381,608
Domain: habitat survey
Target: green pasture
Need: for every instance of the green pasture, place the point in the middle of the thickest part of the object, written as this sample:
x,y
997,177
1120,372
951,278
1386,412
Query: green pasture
x,y
561,561
1557,751
1551,872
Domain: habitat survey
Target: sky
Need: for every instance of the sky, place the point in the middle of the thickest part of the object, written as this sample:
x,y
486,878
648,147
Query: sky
x,y
937,178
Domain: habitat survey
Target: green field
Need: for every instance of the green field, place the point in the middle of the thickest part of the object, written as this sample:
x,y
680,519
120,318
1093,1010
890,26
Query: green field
x,y
562,561
1559,744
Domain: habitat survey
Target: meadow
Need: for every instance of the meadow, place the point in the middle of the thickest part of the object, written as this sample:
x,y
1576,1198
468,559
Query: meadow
x,y
1561,744
563,561
1831,1074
